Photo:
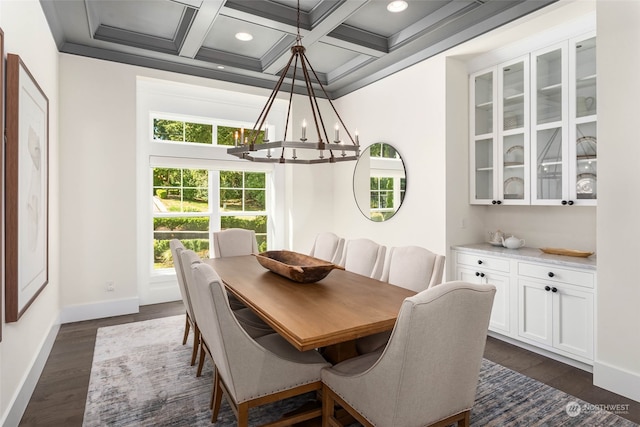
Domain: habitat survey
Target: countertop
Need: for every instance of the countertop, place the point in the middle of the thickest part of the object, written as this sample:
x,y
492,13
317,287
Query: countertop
x,y
530,254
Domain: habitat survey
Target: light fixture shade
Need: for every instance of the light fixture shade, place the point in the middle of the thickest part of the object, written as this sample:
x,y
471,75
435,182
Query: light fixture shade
x,y
322,150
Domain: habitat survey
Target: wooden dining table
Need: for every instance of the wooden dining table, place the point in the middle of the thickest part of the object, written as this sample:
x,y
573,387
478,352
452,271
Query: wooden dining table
x,y
328,314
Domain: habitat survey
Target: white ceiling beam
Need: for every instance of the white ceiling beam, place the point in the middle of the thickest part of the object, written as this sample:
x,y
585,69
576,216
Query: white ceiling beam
x,y
200,27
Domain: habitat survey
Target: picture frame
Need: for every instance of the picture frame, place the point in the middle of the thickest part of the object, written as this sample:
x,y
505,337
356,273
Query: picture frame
x,y
26,189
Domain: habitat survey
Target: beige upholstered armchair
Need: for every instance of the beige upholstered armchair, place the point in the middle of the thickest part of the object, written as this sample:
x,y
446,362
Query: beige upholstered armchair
x,y
328,246
250,372
411,267
363,256
176,252
234,242
428,372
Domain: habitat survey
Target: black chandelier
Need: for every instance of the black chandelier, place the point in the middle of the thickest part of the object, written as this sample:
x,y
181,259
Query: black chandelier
x,y
284,151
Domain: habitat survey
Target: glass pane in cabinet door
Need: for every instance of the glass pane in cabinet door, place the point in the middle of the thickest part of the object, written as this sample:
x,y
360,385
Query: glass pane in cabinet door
x,y
484,104
549,164
586,161
586,78
549,87
513,171
513,96
484,169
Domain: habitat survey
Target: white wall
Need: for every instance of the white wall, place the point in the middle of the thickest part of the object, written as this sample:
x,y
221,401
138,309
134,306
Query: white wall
x,y
26,33
407,111
617,365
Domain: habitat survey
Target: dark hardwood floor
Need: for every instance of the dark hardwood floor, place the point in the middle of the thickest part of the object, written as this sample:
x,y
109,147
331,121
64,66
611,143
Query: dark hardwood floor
x,y
60,394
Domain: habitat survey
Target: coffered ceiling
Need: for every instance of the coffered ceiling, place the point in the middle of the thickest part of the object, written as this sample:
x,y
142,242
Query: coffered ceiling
x,y
349,43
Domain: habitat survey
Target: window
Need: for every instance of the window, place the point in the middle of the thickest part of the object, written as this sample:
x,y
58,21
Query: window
x,y
165,130
182,208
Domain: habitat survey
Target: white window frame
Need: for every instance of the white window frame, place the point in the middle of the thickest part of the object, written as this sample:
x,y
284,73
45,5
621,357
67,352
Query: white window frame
x,y
156,98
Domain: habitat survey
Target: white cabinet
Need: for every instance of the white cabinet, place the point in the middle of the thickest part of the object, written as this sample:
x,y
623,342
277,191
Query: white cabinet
x,y
533,128
500,134
482,269
545,304
555,307
563,117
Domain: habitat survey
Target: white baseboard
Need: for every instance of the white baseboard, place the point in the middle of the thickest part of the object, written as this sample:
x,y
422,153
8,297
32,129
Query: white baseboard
x,y
617,380
78,313
23,395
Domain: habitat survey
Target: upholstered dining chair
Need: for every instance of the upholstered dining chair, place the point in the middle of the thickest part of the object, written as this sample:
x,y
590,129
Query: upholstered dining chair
x,y
234,242
363,256
250,321
428,372
411,267
328,246
250,372
176,252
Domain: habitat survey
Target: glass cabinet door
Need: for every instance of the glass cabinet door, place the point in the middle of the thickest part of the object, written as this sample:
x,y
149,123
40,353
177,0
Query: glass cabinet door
x,y
584,168
514,132
483,111
549,152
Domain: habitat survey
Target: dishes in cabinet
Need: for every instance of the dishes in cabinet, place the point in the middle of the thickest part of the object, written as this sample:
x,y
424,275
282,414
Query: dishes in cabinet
x,y
586,184
586,147
513,188
514,156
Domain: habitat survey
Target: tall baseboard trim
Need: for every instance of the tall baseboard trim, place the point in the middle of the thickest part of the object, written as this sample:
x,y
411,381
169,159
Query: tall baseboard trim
x,y
78,313
23,395
617,380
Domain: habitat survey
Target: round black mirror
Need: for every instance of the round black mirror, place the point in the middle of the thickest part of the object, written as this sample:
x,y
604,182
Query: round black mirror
x,y
379,182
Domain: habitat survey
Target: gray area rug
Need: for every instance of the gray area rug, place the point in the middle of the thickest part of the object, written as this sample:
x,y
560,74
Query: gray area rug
x,y
141,377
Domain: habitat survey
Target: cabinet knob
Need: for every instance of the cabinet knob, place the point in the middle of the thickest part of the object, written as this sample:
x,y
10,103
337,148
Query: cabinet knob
x,y
547,288
570,202
499,202
493,202
550,274
481,274
564,202
477,273
554,289
479,261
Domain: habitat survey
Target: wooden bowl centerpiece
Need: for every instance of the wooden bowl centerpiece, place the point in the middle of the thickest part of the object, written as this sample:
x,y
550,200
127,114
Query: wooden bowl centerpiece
x,y
295,266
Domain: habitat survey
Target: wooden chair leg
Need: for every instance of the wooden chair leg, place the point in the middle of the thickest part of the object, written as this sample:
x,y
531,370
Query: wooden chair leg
x,y
327,407
243,415
216,397
196,344
201,361
186,329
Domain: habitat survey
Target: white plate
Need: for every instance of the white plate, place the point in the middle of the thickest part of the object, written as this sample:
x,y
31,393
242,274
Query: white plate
x,y
514,188
587,184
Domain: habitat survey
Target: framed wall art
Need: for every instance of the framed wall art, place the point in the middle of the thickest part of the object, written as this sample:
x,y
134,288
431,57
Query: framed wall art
x,y
27,189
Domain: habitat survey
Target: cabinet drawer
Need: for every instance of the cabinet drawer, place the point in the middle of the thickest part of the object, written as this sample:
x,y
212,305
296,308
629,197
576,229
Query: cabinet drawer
x,y
482,261
553,273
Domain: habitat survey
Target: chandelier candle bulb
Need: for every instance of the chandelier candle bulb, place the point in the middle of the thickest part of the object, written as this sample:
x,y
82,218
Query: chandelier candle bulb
x,y
337,128
304,131
266,133
236,138
357,138
242,136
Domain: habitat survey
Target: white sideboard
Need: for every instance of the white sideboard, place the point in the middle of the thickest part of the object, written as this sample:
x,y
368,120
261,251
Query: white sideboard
x,y
543,302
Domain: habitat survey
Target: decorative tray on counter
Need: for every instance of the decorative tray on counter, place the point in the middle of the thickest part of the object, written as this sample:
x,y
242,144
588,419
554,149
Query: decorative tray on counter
x,y
567,252
298,267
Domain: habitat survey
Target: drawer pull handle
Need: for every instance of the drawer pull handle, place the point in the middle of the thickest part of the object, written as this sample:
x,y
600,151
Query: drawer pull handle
x,y
550,274
479,261
547,288
554,289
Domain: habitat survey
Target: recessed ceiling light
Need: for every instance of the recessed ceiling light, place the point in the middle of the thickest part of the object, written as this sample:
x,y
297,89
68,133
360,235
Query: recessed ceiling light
x,y
397,6
220,67
245,37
